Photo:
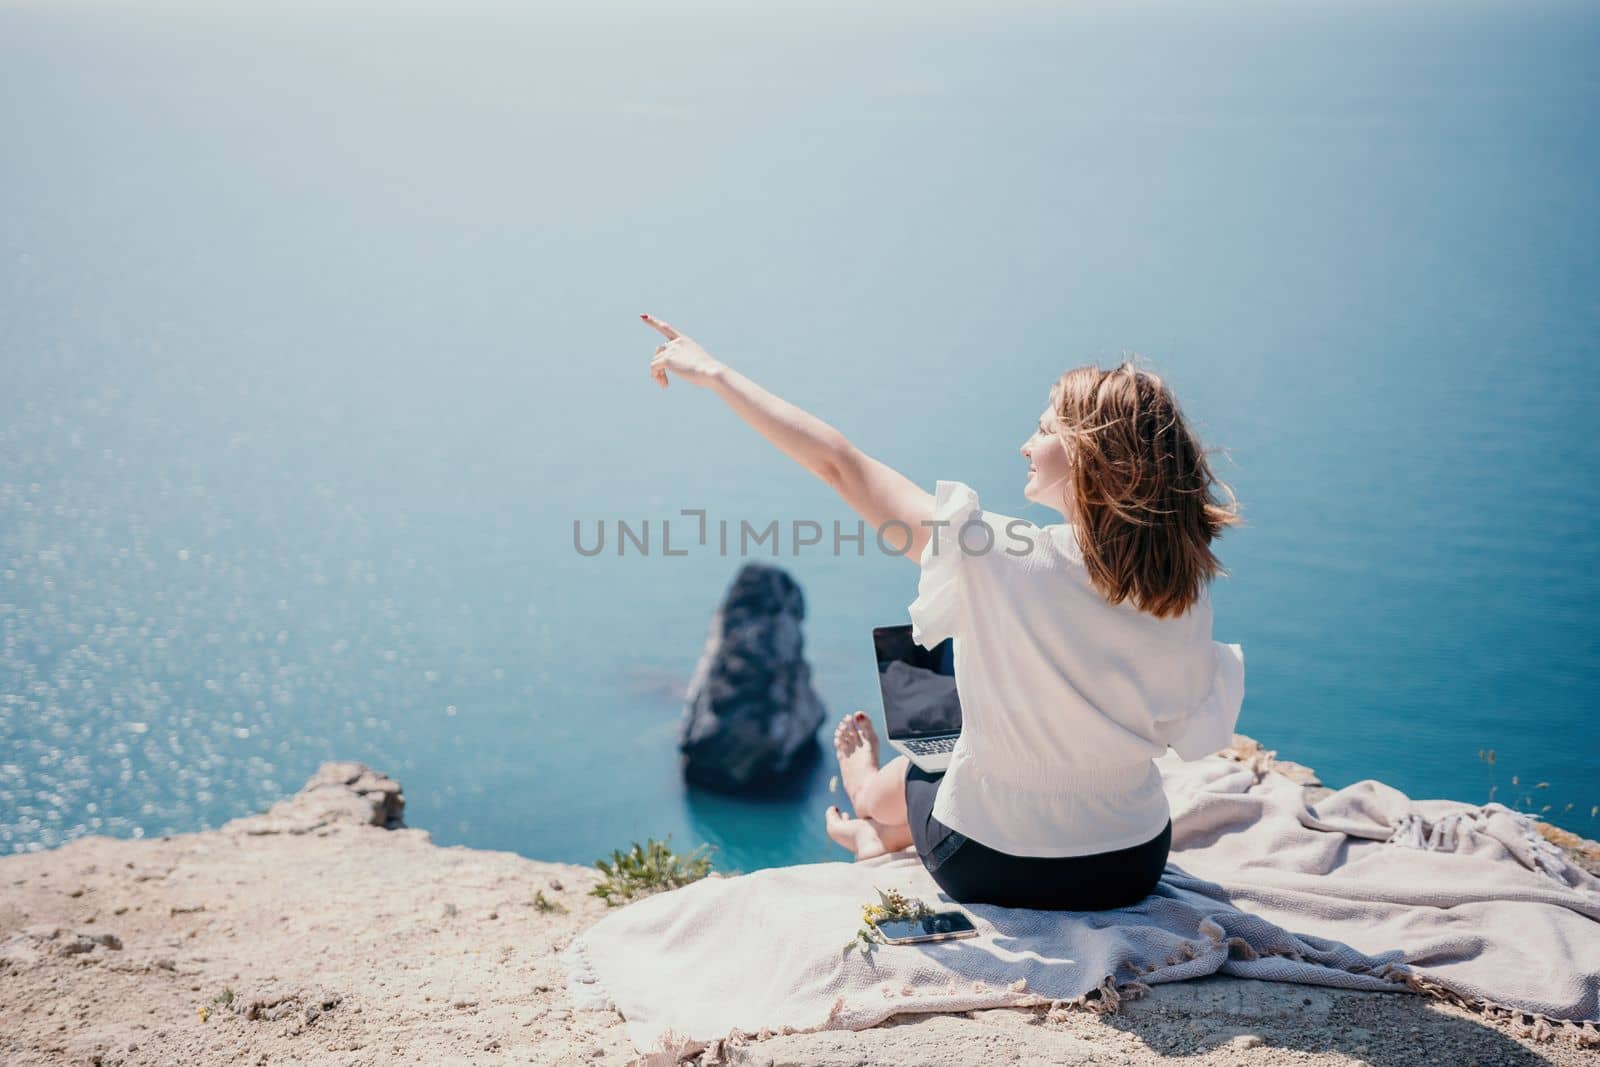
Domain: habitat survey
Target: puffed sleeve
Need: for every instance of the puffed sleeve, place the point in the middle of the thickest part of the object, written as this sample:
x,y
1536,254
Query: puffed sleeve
x,y
938,610
1210,726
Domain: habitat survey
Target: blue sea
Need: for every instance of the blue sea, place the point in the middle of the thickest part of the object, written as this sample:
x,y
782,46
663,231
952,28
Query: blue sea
x,y
318,332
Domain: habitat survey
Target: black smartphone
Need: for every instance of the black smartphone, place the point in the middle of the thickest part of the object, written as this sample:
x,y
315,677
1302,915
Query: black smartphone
x,y
940,926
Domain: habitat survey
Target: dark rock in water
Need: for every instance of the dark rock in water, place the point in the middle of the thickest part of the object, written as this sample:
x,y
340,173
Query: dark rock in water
x,y
751,716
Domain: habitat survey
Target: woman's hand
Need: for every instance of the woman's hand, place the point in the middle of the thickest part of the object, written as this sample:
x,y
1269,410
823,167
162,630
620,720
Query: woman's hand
x,y
682,357
876,492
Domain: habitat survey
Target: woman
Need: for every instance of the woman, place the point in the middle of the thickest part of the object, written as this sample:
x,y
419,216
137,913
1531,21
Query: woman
x,y
1083,649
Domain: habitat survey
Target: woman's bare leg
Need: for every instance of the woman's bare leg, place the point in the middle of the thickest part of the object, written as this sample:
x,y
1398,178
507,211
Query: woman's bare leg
x,y
878,793
883,798
866,837
855,745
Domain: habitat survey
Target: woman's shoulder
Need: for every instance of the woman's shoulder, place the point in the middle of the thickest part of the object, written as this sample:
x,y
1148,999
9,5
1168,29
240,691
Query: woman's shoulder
x,y
1012,537
1063,539
1034,557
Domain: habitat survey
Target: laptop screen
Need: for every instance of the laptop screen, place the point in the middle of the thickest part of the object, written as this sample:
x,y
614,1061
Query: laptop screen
x,y
918,685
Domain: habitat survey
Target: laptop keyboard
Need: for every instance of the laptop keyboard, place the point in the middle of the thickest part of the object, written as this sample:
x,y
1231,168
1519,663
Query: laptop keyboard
x,y
931,746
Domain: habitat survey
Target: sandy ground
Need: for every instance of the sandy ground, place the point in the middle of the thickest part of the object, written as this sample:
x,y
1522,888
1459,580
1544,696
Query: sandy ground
x,y
312,935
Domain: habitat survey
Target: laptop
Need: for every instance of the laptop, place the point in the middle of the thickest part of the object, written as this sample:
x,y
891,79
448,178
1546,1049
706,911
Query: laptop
x,y
921,712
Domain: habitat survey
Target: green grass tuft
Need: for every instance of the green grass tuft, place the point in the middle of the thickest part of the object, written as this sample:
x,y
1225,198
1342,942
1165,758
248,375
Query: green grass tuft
x,y
649,868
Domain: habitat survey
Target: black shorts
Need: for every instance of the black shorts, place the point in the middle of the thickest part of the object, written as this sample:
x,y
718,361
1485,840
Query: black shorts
x,y
972,873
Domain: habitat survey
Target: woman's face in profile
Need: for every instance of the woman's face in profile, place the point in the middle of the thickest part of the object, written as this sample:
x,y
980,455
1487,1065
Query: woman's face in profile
x,y
1048,466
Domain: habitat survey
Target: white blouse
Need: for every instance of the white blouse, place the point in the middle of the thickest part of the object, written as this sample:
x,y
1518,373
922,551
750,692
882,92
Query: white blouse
x,y
1066,699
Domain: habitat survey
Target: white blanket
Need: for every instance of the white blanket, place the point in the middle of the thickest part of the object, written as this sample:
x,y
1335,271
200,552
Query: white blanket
x,y
1365,889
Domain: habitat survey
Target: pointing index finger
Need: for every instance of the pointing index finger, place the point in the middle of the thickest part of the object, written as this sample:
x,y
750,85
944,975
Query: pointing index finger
x,y
657,324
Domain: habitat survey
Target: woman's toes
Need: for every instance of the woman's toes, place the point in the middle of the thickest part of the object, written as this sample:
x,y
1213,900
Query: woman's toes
x,y
858,758
868,735
846,738
834,819
840,828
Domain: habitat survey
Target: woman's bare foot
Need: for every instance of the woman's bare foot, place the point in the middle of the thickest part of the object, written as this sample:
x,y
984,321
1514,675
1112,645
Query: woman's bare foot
x,y
858,835
855,743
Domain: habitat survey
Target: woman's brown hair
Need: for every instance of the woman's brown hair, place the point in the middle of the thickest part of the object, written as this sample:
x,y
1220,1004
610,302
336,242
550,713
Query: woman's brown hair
x,y
1143,490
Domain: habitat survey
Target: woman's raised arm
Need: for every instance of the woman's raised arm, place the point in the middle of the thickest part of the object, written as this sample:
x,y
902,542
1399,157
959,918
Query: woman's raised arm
x,y
877,492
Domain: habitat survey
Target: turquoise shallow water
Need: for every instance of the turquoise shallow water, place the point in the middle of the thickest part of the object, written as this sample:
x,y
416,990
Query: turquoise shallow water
x,y
318,333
